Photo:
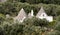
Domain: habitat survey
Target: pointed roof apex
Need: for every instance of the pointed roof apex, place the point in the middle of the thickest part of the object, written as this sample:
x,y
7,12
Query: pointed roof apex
x,y
22,12
22,9
41,6
29,15
40,11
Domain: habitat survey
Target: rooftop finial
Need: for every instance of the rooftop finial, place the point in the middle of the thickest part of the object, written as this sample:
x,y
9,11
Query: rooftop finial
x,y
32,13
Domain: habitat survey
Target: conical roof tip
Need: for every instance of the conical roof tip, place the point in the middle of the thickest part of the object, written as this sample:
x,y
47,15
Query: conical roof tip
x,y
32,10
22,9
40,11
21,12
42,8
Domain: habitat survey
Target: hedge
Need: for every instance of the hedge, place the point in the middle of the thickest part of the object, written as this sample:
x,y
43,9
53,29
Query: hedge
x,y
14,8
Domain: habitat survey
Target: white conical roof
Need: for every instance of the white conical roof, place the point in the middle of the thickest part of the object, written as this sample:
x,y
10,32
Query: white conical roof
x,y
21,14
40,12
30,14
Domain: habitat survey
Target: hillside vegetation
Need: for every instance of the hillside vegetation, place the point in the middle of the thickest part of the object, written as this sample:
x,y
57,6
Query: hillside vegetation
x,y
30,26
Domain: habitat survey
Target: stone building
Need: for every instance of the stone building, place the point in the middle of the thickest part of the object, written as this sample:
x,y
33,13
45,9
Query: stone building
x,y
21,15
41,14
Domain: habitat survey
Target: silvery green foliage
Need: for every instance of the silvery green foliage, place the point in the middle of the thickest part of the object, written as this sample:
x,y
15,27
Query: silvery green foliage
x,y
53,33
57,26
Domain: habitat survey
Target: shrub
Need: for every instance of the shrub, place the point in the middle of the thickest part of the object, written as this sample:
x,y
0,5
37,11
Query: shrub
x,y
52,24
57,26
36,21
2,18
11,29
53,33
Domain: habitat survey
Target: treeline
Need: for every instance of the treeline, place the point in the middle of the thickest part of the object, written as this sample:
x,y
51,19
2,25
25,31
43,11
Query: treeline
x,y
14,8
38,1
30,26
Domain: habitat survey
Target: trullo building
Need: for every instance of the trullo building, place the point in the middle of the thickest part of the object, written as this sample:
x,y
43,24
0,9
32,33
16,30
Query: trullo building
x,y
21,15
41,14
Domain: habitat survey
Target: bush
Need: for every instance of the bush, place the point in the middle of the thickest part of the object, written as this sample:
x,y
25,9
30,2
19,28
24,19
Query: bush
x,y
14,8
36,22
53,33
57,26
2,18
38,1
11,29
58,18
52,24
33,1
